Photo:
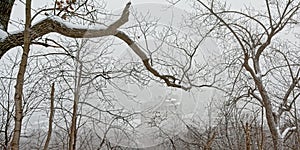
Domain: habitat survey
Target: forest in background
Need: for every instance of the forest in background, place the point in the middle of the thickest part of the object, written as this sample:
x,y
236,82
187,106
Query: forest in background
x,y
67,61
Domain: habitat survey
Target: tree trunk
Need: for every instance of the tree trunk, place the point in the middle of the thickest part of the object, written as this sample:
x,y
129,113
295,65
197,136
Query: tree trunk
x,y
73,130
5,12
247,131
20,81
269,113
50,118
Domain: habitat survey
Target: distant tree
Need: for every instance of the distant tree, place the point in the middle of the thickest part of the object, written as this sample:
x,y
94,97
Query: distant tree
x,y
55,22
172,63
260,62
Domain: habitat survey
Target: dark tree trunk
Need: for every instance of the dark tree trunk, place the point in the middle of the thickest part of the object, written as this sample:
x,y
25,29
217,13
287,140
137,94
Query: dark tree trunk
x,y
5,11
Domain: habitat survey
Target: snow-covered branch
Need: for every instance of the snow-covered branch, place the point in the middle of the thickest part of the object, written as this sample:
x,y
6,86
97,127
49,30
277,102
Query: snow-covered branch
x,y
55,24
287,130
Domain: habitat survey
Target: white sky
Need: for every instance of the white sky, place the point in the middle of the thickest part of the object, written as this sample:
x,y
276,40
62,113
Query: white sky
x,y
117,4
18,10
190,104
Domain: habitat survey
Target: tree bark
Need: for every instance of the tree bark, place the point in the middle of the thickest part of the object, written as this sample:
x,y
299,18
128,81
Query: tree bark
x,y
46,146
73,130
5,11
51,24
58,25
20,81
269,111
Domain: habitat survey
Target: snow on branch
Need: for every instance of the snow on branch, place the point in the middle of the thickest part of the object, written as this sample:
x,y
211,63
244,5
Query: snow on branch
x,y
285,132
3,34
58,25
55,24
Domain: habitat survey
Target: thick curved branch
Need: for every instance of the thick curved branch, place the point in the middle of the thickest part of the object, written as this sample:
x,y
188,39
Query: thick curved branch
x,y
168,79
57,25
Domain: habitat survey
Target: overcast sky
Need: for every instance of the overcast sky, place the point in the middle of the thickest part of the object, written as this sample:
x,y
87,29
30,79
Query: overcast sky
x,y
113,5
189,100
116,4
